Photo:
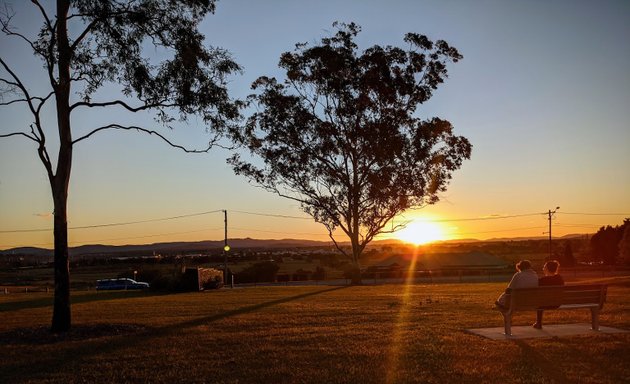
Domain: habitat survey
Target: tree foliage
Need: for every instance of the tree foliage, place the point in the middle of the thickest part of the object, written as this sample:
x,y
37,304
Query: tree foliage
x,y
86,45
605,244
624,244
341,134
567,259
265,271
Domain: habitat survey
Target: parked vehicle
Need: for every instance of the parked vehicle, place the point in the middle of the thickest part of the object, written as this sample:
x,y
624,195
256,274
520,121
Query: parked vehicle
x,y
122,283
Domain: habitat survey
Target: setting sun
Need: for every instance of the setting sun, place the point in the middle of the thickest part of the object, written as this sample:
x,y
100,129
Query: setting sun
x,y
420,232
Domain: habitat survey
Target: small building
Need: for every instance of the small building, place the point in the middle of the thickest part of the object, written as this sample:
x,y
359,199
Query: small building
x,y
199,279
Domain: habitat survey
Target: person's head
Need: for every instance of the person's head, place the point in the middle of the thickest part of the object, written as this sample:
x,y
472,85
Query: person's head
x,y
551,267
523,265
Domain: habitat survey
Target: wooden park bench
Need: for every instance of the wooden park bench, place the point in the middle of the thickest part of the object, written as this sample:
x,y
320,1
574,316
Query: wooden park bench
x,y
591,296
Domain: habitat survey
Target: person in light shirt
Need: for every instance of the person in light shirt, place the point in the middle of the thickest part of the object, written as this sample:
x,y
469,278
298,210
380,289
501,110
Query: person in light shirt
x,y
525,277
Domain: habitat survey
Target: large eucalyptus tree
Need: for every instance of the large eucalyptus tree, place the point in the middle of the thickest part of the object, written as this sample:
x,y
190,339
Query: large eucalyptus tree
x,y
341,134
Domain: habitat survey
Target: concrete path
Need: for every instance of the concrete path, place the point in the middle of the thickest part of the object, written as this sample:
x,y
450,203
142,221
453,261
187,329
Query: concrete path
x,y
554,330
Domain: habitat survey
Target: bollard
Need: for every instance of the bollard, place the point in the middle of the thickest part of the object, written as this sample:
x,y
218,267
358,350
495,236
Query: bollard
x,y
232,282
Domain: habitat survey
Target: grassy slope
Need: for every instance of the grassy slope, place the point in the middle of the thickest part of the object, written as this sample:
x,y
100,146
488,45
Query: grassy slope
x,y
370,334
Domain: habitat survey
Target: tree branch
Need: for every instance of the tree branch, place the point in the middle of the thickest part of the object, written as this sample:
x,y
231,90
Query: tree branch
x,y
336,244
51,28
49,57
4,103
4,22
9,83
19,84
42,152
151,132
20,134
120,103
83,34
41,100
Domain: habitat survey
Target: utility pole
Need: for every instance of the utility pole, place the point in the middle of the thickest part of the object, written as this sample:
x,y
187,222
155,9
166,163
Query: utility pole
x,y
550,215
226,248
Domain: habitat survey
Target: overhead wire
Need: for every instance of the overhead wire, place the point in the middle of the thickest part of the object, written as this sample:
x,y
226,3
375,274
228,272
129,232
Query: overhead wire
x,y
502,230
115,224
485,218
279,232
490,217
273,215
593,214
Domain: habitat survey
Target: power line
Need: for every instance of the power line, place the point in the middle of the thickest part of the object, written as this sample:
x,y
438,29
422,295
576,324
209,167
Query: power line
x,y
497,217
578,225
487,218
273,215
500,231
279,232
145,221
154,235
114,224
594,214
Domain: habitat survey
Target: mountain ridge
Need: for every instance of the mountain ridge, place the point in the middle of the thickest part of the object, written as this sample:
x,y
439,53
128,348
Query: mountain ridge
x,y
204,245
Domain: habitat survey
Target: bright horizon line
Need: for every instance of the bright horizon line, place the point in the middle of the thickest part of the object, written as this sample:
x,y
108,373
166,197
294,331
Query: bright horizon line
x,y
421,229
343,243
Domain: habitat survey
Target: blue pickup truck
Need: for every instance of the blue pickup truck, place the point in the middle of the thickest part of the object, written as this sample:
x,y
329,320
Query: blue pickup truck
x,y
122,283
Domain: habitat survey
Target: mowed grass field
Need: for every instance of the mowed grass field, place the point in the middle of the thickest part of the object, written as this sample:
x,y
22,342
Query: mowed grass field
x,y
310,334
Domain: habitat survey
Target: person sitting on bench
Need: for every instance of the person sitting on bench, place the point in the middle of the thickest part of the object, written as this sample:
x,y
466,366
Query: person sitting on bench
x,y
526,277
551,277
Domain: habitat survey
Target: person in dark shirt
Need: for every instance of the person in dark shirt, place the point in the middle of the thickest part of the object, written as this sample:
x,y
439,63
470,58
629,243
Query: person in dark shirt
x,y
551,277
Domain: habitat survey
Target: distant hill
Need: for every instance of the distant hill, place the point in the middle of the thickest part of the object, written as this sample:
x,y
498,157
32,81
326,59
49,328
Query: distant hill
x,y
565,237
33,251
94,249
247,243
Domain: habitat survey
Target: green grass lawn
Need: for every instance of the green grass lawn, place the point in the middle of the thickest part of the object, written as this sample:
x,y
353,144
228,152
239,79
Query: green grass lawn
x,y
313,334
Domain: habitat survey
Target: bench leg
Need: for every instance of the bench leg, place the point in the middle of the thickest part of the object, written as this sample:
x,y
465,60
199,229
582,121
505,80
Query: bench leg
x,y
595,319
507,323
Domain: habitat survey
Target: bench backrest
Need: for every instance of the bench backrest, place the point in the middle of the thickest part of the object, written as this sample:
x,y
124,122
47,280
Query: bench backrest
x,y
553,296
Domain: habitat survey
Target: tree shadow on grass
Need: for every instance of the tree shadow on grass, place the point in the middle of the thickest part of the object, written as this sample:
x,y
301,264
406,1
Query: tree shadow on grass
x,y
99,341
43,302
42,336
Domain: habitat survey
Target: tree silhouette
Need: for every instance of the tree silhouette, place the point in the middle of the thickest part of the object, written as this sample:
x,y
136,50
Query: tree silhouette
x,y
88,45
341,136
567,259
624,244
605,243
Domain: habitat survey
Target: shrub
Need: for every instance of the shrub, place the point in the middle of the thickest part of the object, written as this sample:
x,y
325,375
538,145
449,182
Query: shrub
x,y
259,272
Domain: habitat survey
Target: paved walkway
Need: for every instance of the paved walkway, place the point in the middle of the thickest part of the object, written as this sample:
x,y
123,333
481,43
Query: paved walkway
x,y
555,330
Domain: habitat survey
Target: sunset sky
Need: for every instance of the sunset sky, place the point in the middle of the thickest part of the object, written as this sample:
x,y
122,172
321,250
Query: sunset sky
x,y
543,94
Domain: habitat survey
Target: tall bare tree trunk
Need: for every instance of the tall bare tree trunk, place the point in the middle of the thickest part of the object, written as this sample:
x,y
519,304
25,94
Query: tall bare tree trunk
x,y
61,320
356,265
356,254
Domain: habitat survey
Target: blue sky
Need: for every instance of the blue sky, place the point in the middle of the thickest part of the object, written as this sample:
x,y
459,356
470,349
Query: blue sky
x,y
543,94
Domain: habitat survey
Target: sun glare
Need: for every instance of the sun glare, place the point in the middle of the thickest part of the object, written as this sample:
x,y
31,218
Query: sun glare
x,y
420,232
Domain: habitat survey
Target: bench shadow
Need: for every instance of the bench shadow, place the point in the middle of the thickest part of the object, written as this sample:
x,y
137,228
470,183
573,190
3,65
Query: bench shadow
x,y
548,367
107,345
